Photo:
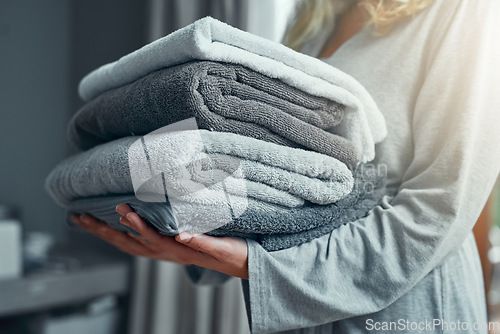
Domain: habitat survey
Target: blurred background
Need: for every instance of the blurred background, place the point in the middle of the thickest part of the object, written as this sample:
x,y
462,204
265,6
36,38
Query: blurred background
x,y
57,280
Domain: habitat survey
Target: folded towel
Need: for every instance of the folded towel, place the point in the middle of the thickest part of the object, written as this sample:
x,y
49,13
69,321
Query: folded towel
x,y
222,97
192,166
209,39
273,226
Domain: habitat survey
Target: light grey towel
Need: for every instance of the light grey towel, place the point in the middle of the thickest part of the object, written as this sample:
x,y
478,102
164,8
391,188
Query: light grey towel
x,y
222,97
209,39
191,164
274,226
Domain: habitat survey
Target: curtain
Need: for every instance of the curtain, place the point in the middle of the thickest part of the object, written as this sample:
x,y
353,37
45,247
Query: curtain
x,y
165,302
170,15
266,18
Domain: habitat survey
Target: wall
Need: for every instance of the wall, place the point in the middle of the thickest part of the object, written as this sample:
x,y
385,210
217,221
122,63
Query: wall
x,y
45,49
34,104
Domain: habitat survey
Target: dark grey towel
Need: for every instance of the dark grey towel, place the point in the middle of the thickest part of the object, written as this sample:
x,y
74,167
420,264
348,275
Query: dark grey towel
x,y
222,97
274,226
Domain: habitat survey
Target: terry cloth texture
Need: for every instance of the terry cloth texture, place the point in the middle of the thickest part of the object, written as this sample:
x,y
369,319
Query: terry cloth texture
x,y
193,165
209,39
273,226
222,97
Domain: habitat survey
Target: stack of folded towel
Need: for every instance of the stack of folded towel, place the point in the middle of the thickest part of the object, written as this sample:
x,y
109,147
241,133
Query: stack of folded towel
x,y
211,129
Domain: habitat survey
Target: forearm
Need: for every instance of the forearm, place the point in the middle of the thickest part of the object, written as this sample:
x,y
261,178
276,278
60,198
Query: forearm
x,y
359,269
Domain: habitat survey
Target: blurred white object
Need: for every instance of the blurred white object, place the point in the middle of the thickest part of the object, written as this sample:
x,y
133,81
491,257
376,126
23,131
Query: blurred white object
x,y
37,246
494,255
494,236
10,249
102,305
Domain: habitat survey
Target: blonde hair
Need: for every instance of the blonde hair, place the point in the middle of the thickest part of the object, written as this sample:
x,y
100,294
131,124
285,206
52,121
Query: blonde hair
x,y
313,16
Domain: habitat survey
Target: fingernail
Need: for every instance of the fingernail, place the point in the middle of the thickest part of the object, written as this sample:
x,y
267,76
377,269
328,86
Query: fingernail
x,y
130,217
119,209
84,220
184,237
75,219
125,221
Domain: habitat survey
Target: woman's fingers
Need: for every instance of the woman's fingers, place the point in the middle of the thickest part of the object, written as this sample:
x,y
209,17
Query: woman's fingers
x,y
134,221
160,245
227,255
138,238
91,224
119,239
123,209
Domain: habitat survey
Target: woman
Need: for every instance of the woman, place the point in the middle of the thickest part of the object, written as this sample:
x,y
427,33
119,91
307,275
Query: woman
x,y
411,264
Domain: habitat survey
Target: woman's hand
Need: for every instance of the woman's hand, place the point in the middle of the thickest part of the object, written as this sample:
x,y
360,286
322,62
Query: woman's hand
x,y
226,255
